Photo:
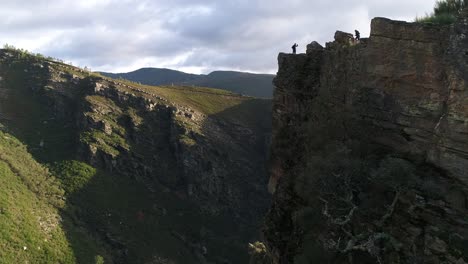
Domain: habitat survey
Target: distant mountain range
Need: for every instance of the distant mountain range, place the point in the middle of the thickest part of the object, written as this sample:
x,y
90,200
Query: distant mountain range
x,y
257,85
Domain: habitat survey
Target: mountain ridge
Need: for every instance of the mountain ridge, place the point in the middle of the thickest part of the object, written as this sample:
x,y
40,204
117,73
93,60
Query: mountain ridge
x,y
246,83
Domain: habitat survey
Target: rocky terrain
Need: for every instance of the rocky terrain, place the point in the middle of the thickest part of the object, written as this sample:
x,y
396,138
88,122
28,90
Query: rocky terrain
x,y
369,158
148,174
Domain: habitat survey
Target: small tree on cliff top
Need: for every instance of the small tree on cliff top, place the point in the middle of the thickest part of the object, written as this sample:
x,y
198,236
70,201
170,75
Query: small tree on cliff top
x,y
445,12
453,7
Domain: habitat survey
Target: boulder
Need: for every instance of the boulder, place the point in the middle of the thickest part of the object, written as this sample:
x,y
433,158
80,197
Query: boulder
x,y
314,47
343,37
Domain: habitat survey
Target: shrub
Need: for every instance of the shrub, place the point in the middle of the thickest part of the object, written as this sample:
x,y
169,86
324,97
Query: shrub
x,y
73,174
445,12
9,47
99,260
450,7
443,19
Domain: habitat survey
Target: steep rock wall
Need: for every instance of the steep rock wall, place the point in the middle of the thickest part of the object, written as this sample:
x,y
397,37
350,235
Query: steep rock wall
x,y
201,157
399,97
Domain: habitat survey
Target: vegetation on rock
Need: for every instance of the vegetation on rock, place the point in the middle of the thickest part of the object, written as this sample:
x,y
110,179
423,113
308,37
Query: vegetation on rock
x,y
445,12
74,175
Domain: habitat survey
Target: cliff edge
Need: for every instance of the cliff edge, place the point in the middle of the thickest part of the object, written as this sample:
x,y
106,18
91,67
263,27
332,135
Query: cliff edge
x,y
370,148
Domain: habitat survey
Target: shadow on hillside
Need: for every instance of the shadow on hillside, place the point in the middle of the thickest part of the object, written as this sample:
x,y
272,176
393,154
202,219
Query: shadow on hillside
x,y
142,217
244,143
29,115
129,223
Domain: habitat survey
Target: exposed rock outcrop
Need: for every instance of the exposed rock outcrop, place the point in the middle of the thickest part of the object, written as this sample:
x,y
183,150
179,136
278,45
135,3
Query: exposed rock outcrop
x,y
204,158
370,148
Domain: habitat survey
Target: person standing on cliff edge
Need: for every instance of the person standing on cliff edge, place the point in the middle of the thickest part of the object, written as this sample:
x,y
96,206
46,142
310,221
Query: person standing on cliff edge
x,y
294,48
358,35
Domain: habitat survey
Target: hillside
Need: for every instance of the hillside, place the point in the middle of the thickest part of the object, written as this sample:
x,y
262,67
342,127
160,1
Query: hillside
x,y
370,148
148,174
33,227
257,85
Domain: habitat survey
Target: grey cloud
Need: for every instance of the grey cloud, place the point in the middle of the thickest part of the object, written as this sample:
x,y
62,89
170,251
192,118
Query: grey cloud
x,y
205,34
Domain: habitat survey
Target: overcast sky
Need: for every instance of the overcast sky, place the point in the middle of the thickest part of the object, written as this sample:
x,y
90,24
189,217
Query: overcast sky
x,y
190,35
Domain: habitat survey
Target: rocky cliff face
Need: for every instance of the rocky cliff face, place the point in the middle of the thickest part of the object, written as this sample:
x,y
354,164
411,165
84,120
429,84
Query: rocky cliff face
x,y
370,148
205,158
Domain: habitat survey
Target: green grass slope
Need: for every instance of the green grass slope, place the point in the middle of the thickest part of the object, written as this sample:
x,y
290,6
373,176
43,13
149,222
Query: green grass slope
x,y
31,229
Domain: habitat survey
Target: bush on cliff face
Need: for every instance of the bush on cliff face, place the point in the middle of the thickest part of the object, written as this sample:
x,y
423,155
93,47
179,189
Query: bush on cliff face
x,y
342,185
445,12
450,7
73,174
259,253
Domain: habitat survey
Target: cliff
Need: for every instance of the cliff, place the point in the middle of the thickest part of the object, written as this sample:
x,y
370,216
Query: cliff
x,y
370,148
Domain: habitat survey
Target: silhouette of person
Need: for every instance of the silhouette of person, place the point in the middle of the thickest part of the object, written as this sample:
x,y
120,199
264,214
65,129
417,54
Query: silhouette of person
x,y
358,35
294,48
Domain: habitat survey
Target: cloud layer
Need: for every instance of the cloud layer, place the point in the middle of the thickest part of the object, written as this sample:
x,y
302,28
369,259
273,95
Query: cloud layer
x,y
190,35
